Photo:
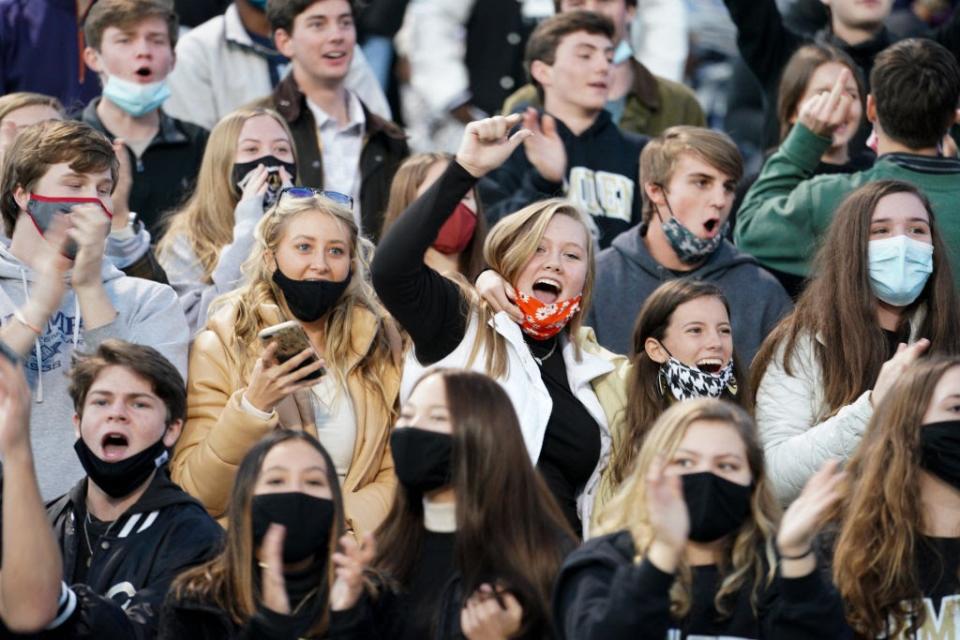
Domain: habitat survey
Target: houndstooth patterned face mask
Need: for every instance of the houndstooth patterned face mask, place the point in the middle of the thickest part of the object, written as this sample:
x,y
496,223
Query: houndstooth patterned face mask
x,y
688,382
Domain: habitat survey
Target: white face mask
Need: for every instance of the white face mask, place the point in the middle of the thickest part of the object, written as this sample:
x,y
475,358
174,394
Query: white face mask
x,y
899,269
135,98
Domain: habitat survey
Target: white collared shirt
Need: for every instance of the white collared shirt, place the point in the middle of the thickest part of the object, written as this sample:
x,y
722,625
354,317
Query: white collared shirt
x,y
340,149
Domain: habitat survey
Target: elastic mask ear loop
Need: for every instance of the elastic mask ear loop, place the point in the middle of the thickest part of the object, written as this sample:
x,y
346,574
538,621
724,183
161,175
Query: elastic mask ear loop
x,y
660,388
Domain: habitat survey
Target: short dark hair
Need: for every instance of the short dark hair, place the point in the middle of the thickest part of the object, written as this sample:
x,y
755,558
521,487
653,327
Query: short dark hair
x,y
557,4
38,147
125,14
144,361
916,86
545,39
282,13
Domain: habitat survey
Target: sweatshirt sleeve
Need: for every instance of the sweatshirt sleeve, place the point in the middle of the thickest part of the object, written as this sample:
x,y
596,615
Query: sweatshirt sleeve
x,y
186,276
595,601
148,313
429,306
795,443
765,43
777,221
806,608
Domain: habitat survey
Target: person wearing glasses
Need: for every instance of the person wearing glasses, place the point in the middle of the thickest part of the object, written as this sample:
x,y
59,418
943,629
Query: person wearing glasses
x,y
308,264
249,158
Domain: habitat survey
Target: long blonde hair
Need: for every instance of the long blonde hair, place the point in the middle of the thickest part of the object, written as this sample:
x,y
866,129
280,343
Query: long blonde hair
x,y
749,556
259,290
510,245
207,220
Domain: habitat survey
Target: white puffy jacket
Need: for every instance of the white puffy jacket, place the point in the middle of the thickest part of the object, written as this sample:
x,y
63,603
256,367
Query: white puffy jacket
x,y
790,411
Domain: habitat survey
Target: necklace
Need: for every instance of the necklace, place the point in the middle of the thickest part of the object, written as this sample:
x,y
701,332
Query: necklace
x,y
86,538
549,353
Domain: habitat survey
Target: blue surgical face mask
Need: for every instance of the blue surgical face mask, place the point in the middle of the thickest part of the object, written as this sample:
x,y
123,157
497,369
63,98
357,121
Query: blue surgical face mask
x,y
899,268
135,98
623,52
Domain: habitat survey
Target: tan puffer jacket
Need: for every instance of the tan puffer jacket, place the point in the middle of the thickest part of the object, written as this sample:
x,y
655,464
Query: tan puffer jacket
x,y
219,432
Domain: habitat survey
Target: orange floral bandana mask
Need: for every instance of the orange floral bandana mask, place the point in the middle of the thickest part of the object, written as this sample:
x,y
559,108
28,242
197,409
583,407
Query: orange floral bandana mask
x,y
542,320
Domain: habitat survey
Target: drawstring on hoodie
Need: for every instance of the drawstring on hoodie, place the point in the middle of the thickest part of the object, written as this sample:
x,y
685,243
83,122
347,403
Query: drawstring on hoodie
x,y
38,396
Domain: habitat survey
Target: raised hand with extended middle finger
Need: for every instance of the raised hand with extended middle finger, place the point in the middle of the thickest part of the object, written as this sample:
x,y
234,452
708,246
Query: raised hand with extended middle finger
x,y
487,143
825,112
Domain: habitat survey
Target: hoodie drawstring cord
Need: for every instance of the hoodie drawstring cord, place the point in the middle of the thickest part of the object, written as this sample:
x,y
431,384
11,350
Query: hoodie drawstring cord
x,y
38,396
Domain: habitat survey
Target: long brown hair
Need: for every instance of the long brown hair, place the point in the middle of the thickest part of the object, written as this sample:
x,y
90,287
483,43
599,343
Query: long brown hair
x,y
509,527
230,581
403,191
646,399
749,556
206,220
797,74
882,516
838,310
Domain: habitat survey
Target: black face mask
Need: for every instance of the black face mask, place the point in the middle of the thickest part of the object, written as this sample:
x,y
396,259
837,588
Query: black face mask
x,y
274,181
422,459
717,507
121,478
940,450
307,521
309,300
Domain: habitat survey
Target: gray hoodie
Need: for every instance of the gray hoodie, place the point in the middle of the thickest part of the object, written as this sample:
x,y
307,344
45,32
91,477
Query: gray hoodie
x,y
627,274
147,313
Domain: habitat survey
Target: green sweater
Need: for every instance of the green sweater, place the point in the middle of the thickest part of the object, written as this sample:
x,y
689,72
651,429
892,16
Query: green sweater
x,y
787,211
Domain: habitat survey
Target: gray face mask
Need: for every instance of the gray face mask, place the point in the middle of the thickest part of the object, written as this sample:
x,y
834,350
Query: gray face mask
x,y
688,246
42,209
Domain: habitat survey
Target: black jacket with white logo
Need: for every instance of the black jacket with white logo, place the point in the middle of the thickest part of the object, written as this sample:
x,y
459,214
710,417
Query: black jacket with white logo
x,y
133,563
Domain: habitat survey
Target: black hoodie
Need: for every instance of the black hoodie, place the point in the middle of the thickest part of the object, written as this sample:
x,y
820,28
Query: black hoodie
x,y
133,563
603,165
602,595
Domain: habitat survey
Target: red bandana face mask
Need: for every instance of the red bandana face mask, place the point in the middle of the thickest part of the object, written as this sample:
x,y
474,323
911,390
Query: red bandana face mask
x,y
542,320
457,231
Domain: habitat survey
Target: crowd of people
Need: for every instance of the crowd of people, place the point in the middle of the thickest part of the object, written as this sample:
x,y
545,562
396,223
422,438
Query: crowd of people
x,y
453,319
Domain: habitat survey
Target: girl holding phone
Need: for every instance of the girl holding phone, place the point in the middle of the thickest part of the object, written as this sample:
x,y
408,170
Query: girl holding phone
x,y
308,265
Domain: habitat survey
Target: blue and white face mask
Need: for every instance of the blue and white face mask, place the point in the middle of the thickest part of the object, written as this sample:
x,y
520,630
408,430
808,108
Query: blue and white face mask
x,y
899,269
135,98
623,52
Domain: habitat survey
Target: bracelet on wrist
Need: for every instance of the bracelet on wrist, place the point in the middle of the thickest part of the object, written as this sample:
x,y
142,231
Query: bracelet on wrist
x,y
799,556
19,318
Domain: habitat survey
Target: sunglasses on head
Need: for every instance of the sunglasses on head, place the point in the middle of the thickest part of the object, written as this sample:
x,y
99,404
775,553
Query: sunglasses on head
x,y
309,192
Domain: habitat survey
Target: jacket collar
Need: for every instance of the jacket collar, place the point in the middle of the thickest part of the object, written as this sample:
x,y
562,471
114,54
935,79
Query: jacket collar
x,y
592,364
290,103
168,133
645,86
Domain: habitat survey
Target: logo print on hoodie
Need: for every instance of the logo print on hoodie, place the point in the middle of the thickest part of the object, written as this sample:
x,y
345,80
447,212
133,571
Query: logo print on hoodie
x,y
54,343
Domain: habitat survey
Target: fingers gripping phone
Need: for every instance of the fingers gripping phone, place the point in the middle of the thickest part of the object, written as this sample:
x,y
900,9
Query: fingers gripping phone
x,y
291,339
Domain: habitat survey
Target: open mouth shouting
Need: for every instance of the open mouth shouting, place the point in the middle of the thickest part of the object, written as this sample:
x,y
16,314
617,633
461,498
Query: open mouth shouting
x,y
144,73
547,290
710,365
114,445
712,226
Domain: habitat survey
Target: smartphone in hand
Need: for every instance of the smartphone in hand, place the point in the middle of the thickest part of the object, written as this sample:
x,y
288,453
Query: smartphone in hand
x,y
291,339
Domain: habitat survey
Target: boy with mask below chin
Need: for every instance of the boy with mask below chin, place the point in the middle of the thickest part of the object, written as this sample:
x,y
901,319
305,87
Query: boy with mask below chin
x,y
689,177
125,531
130,45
